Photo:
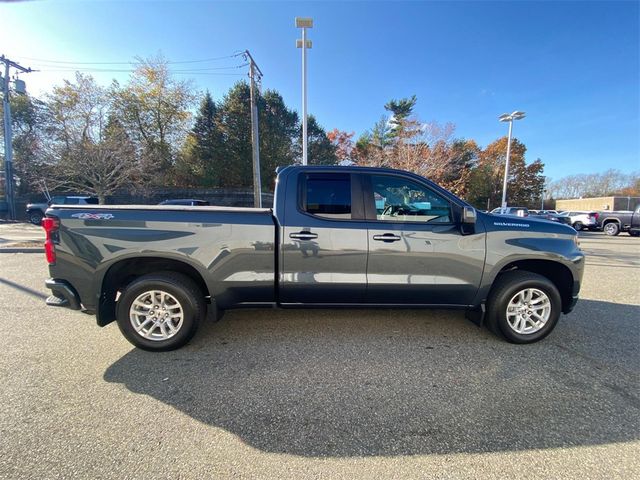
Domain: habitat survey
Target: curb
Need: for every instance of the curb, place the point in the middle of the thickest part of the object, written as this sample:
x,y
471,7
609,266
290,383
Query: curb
x,y
21,250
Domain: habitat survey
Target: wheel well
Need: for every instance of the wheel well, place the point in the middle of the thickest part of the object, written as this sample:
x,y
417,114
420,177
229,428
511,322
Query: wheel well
x,y
610,220
122,273
557,273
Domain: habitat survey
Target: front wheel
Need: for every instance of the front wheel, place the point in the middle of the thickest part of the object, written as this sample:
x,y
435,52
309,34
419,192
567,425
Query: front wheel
x,y
612,229
634,233
523,306
160,311
36,217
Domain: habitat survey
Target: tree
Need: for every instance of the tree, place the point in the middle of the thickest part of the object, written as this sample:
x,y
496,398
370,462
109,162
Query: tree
x,y
235,124
278,131
320,150
278,127
28,116
154,109
92,152
525,182
343,144
200,163
401,111
609,182
372,148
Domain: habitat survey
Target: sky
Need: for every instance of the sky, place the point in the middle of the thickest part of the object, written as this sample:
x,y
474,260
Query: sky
x,y
573,67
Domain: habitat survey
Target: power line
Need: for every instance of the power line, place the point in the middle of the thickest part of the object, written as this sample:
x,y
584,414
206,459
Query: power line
x,y
204,60
178,72
89,69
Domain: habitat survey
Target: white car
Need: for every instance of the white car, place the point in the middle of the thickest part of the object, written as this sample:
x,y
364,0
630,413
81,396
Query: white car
x,y
517,211
582,220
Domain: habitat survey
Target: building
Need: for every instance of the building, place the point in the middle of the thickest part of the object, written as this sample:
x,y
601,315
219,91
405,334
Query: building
x,y
598,203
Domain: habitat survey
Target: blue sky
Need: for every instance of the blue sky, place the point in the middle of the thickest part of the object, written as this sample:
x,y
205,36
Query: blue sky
x,y
572,66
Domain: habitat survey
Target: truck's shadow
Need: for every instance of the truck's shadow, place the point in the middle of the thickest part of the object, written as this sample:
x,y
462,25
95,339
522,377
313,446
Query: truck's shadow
x,y
358,383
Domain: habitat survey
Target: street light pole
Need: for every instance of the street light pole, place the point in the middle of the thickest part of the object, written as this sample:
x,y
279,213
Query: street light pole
x,y
506,117
506,170
304,23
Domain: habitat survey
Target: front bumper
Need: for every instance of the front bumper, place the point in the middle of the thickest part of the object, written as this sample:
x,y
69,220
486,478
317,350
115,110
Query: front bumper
x,y
63,294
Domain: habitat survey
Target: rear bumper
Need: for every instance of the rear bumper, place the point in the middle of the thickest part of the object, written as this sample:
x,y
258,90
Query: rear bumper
x,y
62,294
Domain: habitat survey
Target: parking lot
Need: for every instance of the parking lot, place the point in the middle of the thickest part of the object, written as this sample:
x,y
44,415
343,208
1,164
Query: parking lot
x,y
325,394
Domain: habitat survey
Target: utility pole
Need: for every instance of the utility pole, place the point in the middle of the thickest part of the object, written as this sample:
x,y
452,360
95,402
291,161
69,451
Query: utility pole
x,y
8,135
304,44
255,76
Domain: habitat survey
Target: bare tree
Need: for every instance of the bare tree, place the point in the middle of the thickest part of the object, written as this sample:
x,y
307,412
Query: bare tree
x,y
90,149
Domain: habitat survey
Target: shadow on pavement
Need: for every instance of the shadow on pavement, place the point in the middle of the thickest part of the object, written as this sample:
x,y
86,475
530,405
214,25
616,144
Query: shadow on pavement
x,y
381,382
23,289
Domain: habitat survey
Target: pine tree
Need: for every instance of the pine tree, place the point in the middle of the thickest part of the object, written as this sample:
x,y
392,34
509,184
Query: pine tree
x,y
203,153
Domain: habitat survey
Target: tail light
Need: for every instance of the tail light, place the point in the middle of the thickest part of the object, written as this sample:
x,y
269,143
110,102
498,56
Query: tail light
x,y
50,226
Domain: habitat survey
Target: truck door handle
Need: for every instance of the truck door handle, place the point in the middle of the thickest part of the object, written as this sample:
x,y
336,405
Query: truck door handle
x,y
387,237
303,235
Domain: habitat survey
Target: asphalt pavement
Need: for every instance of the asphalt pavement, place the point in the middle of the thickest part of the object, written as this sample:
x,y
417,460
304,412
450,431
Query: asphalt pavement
x,y
325,393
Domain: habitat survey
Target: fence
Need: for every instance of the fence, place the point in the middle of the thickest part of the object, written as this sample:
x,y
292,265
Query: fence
x,y
227,197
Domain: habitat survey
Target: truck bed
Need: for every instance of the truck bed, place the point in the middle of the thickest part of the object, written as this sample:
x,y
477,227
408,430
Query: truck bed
x,y
232,248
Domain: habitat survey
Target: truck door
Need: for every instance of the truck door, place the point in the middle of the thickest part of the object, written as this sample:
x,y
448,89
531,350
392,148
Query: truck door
x,y
417,253
323,245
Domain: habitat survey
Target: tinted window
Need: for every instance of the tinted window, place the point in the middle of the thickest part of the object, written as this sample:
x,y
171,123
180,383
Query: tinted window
x,y
328,195
399,199
91,201
57,201
71,201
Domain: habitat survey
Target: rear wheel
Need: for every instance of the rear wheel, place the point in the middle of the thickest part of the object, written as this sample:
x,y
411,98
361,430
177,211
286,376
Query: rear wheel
x,y
36,217
160,311
524,307
578,226
612,229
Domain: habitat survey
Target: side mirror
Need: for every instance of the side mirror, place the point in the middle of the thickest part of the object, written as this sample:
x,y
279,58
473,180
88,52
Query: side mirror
x,y
469,215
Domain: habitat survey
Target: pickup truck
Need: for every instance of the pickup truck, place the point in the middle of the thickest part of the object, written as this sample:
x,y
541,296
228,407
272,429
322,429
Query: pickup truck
x,y
337,237
614,222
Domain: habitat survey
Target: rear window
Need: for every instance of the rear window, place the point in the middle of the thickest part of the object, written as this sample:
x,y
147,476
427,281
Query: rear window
x,y
327,195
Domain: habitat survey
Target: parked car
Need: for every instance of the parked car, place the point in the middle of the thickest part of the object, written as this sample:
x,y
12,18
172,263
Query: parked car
x,y
517,211
186,201
552,217
337,236
614,222
35,211
581,220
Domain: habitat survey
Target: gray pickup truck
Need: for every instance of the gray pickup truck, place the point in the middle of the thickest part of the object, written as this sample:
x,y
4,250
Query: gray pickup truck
x,y
612,223
336,237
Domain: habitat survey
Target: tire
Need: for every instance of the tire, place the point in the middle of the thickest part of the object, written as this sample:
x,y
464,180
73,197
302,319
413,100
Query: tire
x,y
178,304
510,288
612,229
36,217
578,226
634,233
